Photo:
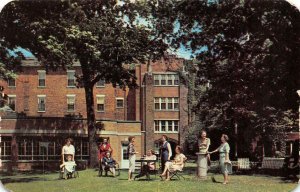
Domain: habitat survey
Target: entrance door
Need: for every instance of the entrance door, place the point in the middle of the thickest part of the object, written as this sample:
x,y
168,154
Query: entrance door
x,y
124,157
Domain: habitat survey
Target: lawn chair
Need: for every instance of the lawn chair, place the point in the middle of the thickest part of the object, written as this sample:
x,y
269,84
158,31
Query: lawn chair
x,y
178,173
103,168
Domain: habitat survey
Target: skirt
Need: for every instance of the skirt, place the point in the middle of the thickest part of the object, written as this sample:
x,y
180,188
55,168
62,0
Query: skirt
x,y
226,168
172,167
132,163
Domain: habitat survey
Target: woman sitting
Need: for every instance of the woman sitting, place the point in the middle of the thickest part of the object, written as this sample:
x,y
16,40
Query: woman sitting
x,y
109,164
147,166
176,165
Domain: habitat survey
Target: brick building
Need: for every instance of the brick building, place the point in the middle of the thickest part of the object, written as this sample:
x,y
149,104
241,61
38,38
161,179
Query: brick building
x,y
47,107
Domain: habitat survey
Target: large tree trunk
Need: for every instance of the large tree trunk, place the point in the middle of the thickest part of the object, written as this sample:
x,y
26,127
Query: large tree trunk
x,y
91,121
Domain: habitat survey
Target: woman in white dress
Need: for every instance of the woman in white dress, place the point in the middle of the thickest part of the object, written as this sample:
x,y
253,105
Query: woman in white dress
x,y
176,164
68,149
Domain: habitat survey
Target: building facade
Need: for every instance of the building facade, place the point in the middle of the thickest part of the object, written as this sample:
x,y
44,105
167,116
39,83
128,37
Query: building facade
x,y
45,107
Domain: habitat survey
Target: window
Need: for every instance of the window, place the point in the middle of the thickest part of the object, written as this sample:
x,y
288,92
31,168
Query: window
x,y
100,83
5,146
42,78
163,105
11,82
176,126
156,80
170,126
120,102
176,103
156,125
33,149
170,79
71,103
71,78
12,102
41,103
157,103
162,126
100,103
125,154
166,79
176,79
162,79
170,103
82,149
166,103
166,126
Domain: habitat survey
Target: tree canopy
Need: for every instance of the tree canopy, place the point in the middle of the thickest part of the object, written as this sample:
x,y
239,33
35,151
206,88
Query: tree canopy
x,y
105,36
250,57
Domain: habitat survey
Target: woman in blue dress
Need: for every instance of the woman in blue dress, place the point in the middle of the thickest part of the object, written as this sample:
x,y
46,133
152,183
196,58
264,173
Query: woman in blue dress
x,y
225,164
166,151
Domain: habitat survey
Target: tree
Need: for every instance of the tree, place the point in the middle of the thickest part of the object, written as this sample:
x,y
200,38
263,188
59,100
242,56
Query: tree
x,y
249,53
103,35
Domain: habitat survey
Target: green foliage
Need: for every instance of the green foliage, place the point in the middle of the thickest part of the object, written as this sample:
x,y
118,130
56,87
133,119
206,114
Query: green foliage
x,y
250,56
104,36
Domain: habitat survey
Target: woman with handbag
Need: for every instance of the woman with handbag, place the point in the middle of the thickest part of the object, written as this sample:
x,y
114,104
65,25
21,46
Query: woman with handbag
x,y
225,163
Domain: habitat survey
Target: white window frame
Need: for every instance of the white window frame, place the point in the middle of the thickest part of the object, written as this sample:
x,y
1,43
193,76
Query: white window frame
x,y
97,96
41,72
156,77
166,76
71,71
68,97
41,96
158,100
8,100
120,98
166,125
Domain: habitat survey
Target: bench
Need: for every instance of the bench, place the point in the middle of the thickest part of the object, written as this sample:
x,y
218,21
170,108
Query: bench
x,y
272,165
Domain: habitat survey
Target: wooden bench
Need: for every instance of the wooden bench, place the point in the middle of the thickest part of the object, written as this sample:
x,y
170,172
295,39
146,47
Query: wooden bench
x,y
272,165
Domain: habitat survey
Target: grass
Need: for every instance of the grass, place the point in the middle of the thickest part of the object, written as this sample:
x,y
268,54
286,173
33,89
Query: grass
x,y
89,181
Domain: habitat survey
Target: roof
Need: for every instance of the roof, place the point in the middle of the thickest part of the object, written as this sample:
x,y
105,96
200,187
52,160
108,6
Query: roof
x,y
34,62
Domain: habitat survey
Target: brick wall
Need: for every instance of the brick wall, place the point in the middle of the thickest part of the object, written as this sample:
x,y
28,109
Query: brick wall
x,y
56,92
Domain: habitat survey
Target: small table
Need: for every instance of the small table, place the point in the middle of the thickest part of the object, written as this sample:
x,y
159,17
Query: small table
x,y
147,161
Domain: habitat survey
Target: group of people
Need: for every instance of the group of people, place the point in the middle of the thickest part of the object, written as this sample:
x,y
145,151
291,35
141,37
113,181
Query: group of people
x,y
107,163
223,149
167,165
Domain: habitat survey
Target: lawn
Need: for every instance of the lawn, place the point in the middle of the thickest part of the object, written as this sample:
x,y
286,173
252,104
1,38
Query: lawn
x,y
88,181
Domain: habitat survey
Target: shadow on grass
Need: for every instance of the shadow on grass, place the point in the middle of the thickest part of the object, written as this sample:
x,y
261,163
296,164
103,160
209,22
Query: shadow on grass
x,y
22,180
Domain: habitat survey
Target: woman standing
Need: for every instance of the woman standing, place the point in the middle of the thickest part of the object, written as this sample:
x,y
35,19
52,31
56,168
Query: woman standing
x,y
166,152
203,142
225,164
131,153
104,147
68,149
204,158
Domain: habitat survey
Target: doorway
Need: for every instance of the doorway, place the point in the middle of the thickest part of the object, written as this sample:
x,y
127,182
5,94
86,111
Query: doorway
x,y
124,157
